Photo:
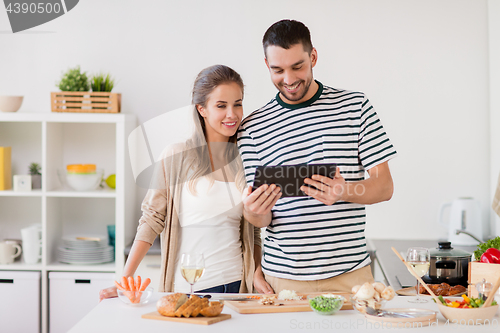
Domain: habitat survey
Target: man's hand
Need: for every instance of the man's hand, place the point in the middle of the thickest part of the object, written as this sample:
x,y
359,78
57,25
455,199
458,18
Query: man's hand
x,y
325,189
260,283
258,204
379,187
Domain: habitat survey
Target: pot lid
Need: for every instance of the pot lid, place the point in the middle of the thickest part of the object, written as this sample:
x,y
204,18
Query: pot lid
x,y
444,249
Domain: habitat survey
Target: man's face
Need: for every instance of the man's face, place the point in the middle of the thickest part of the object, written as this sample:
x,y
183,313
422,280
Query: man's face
x,y
291,72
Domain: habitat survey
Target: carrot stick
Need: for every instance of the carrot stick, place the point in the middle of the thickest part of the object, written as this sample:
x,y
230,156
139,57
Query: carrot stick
x,y
131,283
138,283
125,283
145,284
119,286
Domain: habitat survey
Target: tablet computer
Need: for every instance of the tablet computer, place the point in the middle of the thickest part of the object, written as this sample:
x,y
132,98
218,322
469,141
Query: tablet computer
x,y
291,177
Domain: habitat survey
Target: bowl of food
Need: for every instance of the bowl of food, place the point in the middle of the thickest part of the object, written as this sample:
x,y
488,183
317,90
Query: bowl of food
x,y
362,304
465,310
81,177
326,304
10,103
371,295
135,297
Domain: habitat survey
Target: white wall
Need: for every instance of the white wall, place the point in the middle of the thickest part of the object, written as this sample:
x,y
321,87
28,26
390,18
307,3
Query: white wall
x,y
423,64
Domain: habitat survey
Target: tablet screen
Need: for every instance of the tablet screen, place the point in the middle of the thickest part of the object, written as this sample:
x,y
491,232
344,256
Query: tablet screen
x,y
291,177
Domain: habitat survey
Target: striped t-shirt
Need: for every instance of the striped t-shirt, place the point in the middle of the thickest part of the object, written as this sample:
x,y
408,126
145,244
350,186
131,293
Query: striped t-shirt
x,y
306,239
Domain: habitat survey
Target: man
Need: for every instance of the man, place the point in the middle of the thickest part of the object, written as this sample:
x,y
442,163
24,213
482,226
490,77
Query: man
x,y
316,242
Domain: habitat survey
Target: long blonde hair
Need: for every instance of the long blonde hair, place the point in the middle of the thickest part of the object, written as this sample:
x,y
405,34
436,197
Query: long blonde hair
x,y
198,156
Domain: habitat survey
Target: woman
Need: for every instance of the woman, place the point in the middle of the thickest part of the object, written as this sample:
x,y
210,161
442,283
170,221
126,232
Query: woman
x,y
194,202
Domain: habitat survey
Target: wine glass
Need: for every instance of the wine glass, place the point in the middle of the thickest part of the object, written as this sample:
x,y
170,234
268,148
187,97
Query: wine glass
x,y
419,259
192,267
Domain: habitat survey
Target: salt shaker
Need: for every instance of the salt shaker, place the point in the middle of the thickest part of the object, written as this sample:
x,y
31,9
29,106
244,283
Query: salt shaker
x,y
483,288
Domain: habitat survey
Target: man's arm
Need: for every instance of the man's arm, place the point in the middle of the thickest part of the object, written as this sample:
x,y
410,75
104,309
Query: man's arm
x,y
379,187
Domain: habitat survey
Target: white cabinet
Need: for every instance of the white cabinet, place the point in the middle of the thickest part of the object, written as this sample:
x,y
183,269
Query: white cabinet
x,y
20,306
76,292
54,140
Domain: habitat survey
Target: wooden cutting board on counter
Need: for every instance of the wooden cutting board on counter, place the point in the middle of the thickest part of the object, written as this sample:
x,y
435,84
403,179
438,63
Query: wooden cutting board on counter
x,y
246,307
191,320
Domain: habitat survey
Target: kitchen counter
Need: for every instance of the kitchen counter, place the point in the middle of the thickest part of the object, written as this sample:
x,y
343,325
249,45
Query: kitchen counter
x,y
112,315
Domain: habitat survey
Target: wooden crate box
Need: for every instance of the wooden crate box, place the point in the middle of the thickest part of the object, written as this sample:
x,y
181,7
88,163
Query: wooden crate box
x,y
479,271
93,102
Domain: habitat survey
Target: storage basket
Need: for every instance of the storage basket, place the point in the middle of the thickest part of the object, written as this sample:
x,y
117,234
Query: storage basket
x,y
85,101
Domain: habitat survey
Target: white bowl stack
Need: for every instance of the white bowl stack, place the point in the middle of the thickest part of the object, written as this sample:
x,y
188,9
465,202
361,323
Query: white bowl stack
x,y
85,250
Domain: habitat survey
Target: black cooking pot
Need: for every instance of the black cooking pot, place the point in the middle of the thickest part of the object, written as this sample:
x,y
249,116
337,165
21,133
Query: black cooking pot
x,y
448,265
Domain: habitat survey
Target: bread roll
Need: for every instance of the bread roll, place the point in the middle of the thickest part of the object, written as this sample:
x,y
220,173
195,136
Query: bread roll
x,y
213,310
167,305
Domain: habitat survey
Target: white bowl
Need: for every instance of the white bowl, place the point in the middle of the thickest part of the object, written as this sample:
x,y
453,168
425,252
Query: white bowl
x,y
10,103
81,181
463,316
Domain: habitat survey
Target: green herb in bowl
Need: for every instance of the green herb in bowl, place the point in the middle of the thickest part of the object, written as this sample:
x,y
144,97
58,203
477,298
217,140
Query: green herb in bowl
x,y
327,304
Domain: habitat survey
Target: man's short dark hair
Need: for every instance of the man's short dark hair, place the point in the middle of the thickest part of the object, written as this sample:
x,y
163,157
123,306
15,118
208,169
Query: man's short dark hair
x,y
286,33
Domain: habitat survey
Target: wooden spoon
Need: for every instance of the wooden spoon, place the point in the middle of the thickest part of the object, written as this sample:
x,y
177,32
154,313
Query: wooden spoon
x,y
418,277
493,291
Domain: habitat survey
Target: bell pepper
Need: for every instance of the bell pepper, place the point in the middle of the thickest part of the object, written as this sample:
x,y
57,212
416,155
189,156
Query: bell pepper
x,y
466,299
493,255
454,304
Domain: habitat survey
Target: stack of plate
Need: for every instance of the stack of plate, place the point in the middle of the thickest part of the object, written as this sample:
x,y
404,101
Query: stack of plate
x,y
85,250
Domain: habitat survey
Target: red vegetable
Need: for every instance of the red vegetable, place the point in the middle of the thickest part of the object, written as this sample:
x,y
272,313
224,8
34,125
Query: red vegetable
x,y
495,254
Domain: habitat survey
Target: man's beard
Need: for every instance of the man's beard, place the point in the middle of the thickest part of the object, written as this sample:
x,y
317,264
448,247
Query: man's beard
x,y
288,96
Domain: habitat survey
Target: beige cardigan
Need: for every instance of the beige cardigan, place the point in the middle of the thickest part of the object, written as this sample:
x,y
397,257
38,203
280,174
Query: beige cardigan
x,y
159,217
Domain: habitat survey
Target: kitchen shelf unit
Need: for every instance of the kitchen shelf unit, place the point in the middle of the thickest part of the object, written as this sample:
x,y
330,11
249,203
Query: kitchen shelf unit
x,y
54,140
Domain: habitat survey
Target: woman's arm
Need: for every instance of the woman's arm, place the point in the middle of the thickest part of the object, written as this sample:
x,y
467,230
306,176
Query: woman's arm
x,y
137,253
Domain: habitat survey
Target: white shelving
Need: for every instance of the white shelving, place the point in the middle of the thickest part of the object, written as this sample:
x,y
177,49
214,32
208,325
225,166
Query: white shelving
x,y
54,140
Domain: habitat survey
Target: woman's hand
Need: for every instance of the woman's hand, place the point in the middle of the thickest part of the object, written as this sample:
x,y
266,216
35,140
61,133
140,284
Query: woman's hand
x,y
258,204
108,293
260,283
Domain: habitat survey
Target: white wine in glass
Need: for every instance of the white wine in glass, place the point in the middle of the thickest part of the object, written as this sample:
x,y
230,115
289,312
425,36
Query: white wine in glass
x,y
192,267
419,259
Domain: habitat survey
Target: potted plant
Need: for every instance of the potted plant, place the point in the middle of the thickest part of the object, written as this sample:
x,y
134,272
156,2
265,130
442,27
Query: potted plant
x,y
101,82
36,176
75,95
74,80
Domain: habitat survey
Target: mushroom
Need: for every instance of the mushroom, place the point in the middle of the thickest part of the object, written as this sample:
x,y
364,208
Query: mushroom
x,y
355,288
388,293
365,292
379,286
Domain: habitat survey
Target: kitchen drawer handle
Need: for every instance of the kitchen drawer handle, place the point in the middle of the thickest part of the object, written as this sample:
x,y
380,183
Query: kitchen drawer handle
x,y
6,280
153,266
82,281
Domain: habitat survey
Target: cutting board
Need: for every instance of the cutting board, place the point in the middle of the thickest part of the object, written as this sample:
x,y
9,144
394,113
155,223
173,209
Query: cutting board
x,y
190,320
288,306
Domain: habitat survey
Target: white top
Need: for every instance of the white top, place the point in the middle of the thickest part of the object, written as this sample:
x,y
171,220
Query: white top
x,y
210,224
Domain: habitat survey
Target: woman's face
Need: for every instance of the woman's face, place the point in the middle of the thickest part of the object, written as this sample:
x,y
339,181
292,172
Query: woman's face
x,y
223,112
